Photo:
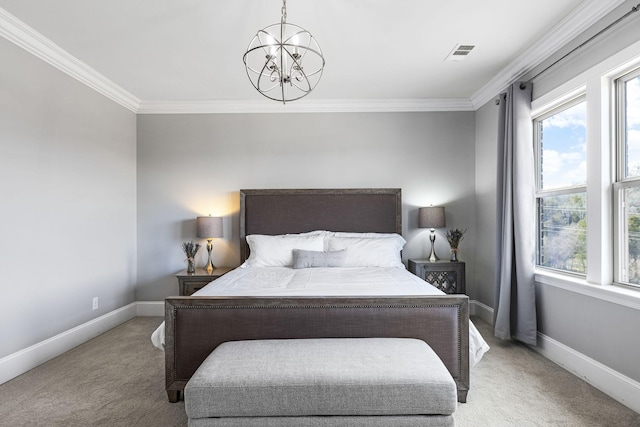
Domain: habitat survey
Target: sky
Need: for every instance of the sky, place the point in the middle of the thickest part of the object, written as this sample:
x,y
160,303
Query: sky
x,y
564,142
564,152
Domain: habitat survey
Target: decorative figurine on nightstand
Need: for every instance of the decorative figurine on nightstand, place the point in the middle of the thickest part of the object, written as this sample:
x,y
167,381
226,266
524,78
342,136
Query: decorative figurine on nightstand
x,y
454,236
190,250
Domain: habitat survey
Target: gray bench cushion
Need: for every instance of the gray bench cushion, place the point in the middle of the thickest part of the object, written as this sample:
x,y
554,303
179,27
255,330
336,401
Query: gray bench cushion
x,y
301,377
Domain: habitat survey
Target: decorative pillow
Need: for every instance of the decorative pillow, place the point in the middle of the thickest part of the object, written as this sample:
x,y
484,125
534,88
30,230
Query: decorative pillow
x,y
310,259
277,251
369,252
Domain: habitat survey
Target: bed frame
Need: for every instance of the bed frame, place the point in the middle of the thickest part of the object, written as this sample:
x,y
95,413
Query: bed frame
x,y
194,326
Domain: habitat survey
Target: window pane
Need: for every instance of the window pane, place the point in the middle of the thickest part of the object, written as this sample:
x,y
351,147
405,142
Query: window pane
x,y
562,232
632,127
562,150
631,236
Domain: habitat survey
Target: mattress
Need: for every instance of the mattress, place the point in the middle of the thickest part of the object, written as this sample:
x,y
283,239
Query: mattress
x,y
355,281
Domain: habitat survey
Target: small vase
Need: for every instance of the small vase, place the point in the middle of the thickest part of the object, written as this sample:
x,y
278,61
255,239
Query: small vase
x,y
454,255
191,265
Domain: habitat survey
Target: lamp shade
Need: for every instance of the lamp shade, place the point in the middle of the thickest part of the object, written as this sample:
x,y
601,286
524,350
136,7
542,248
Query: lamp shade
x,y
209,227
431,217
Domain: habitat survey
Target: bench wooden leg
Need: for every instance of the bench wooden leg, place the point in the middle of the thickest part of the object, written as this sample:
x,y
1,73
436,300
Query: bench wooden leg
x,y
174,395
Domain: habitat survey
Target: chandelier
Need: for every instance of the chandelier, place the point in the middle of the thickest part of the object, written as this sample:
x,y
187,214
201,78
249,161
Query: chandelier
x,y
275,57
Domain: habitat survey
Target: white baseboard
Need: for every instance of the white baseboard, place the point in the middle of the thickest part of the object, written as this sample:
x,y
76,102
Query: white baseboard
x,y
150,308
24,360
619,387
484,312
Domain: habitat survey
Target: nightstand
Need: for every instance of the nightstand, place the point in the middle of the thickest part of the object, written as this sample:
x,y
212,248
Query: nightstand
x,y
447,276
188,283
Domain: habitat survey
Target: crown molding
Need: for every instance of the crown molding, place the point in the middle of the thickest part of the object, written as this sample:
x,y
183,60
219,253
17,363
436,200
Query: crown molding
x,y
585,15
579,20
306,106
22,35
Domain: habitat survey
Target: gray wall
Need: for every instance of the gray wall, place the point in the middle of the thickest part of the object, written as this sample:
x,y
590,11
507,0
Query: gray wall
x,y
604,331
191,165
598,329
486,202
67,216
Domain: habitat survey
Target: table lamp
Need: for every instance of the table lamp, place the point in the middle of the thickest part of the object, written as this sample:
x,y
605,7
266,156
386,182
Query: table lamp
x,y
209,227
432,217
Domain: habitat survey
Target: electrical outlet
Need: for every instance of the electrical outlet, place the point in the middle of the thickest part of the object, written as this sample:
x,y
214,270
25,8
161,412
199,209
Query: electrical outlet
x,y
95,303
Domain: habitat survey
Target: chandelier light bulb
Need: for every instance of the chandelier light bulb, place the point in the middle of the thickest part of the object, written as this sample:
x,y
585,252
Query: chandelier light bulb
x,y
295,42
272,46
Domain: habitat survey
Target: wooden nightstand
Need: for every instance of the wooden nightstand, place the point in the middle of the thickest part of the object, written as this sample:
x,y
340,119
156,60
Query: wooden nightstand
x,y
447,276
188,283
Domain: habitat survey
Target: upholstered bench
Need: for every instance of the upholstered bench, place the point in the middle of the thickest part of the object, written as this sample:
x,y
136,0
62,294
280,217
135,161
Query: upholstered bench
x,y
322,382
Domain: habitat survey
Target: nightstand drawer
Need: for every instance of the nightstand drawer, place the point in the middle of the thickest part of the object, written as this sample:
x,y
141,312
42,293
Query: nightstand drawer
x,y
447,276
188,283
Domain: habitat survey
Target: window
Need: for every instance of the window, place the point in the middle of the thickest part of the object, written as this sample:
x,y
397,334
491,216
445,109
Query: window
x,y
561,192
587,147
627,185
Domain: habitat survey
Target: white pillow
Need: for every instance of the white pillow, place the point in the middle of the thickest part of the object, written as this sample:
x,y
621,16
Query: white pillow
x,y
329,234
369,252
365,235
277,251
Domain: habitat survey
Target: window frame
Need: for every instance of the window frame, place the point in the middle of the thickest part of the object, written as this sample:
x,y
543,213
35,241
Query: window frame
x,y
621,181
595,81
619,120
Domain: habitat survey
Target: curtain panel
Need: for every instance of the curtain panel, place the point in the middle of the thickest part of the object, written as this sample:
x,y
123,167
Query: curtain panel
x,y
514,304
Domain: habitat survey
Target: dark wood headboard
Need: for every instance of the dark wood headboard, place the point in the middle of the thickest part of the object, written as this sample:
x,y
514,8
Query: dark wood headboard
x,y
275,212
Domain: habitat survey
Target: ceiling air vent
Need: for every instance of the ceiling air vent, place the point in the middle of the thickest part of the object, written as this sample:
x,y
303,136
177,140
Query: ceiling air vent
x,y
459,52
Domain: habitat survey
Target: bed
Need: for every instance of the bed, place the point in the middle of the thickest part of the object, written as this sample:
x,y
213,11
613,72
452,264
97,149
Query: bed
x,y
226,311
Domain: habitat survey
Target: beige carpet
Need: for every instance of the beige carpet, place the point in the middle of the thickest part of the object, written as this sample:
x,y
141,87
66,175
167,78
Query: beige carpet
x,y
117,379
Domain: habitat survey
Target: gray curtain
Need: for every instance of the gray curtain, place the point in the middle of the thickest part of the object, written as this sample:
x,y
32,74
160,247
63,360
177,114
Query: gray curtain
x,y
515,305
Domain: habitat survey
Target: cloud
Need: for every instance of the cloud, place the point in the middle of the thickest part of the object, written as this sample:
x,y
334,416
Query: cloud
x,y
633,150
563,169
564,148
575,116
633,140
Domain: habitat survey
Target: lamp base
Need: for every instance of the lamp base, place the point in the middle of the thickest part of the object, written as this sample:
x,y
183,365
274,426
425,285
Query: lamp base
x,y
432,256
209,267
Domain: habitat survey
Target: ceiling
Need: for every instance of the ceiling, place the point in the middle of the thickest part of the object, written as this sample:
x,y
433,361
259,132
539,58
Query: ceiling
x,y
163,55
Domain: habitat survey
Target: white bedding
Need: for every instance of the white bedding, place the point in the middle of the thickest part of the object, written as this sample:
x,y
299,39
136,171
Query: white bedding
x,y
356,281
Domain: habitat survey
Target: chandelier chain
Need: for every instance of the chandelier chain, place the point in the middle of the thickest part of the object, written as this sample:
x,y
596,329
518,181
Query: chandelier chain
x,y
284,12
